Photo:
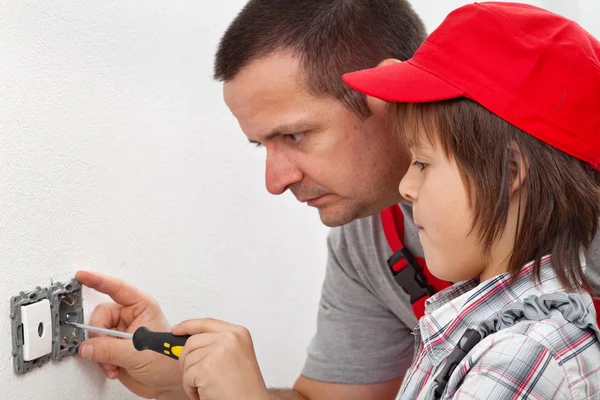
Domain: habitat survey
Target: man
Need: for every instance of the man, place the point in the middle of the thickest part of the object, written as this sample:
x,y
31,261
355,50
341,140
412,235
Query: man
x,y
281,62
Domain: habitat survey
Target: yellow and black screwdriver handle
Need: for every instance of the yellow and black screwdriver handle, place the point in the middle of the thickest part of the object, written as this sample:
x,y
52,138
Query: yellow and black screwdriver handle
x,y
161,342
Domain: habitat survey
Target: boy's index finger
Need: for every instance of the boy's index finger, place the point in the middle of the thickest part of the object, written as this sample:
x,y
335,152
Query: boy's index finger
x,y
121,292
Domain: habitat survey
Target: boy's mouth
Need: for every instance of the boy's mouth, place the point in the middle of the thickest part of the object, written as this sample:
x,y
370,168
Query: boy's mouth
x,y
419,226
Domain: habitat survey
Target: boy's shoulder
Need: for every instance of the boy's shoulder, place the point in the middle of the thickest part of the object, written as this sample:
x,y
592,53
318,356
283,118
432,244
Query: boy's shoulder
x,y
553,347
550,358
562,338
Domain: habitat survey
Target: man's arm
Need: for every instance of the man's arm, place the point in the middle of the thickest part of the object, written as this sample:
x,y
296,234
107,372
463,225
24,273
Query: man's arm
x,y
308,389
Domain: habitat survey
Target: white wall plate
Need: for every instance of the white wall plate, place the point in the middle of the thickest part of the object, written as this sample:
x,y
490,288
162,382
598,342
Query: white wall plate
x,y
37,330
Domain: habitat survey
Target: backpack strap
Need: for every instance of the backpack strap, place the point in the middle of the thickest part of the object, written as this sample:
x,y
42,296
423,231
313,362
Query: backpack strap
x,y
533,308
410,272
597,307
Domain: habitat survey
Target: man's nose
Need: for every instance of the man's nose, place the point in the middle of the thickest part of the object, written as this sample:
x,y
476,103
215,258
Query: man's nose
x,y
280,172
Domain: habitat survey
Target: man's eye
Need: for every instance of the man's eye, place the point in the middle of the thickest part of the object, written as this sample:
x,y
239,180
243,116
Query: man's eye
x,y
296,137
420,165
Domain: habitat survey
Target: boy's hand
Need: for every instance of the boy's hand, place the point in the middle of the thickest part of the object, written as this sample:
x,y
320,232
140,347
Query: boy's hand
x,y
146,374
218,362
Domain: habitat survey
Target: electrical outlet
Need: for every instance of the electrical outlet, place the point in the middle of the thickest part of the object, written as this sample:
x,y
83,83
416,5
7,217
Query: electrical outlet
x,y
37,332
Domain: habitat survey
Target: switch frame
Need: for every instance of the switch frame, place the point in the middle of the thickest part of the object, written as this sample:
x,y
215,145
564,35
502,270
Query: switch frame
x,y
55,294
21,366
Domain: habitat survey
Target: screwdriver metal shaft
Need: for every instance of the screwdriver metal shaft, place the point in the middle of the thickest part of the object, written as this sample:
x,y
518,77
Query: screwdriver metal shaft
x,y
110,332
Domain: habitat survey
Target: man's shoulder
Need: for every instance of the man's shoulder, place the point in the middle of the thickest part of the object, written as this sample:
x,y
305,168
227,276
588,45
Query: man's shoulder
x,y
360,237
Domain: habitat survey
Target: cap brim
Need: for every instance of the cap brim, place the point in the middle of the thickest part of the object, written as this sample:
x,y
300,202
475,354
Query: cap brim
x,y
401,82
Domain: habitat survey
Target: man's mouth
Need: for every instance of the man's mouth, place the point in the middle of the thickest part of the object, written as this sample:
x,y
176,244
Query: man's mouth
x,y
312,201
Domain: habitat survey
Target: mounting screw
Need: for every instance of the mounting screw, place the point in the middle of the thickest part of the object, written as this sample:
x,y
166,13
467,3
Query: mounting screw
x,y
67,316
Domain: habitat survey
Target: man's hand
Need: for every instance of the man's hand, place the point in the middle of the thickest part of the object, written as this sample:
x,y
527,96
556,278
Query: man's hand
x,y
218,362
146,373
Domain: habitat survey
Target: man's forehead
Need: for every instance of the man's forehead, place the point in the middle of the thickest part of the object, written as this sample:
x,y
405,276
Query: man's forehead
x,y
264,103
278,70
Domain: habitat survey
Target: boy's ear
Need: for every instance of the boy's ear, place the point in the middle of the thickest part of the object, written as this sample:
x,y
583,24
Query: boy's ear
x,y
517,166
378,107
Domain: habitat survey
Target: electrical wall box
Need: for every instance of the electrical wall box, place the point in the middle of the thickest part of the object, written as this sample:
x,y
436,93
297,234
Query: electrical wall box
x,y
37,333
66,305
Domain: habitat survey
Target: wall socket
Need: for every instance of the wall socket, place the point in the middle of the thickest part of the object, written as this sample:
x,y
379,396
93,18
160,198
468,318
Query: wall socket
x,y
37,334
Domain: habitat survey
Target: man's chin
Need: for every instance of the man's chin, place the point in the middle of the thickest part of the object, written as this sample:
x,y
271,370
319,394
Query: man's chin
x,y
338,215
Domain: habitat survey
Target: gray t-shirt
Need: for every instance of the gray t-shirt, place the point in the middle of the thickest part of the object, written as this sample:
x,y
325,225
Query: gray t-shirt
x,y
365,320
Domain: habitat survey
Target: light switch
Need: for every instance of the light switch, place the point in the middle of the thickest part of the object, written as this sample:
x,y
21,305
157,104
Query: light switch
x,y
37,329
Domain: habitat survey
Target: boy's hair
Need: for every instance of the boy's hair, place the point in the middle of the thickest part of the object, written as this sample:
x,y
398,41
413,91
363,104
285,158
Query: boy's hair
x,y
330,38
561,210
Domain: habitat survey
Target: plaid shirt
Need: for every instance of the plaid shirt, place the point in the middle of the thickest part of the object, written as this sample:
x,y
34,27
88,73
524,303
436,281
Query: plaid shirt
x,y
546,359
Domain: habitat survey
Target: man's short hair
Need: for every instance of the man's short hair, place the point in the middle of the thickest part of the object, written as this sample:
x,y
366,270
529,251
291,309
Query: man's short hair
x,y
330,38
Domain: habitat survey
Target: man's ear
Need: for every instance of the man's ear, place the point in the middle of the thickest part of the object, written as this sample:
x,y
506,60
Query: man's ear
x,y
517,167
378,107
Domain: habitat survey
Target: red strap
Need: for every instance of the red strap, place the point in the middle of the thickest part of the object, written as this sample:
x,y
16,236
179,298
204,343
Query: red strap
x,y
597,307
393,227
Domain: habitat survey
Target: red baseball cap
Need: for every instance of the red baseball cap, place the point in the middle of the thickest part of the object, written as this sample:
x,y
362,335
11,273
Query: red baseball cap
x,y
533,68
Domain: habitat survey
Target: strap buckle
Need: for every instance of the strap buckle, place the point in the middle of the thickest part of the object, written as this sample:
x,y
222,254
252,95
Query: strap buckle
x,y
466,343
411,277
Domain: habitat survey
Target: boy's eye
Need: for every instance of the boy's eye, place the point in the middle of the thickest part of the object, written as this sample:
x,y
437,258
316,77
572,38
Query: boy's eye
x,y
419,165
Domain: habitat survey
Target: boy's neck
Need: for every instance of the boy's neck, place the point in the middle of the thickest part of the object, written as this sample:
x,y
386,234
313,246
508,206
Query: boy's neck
x,y
502,249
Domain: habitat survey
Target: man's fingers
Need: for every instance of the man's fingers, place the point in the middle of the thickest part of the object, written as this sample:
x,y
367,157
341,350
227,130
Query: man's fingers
x,y
197,342
204,325
106,316
114,374
121,292
109,350
194,360
192,393
109,367
194,373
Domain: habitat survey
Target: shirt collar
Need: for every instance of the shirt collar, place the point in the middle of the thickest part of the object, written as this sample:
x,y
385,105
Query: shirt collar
x,y
450,312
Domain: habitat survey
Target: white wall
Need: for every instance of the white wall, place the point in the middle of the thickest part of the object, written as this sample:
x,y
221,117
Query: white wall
x,y
118,155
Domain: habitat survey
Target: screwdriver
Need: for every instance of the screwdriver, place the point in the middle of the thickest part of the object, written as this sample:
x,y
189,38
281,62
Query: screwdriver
x,y
144,339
